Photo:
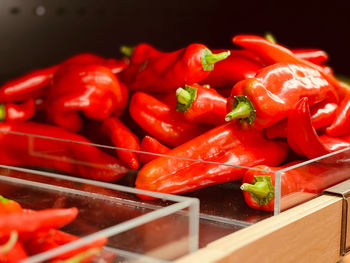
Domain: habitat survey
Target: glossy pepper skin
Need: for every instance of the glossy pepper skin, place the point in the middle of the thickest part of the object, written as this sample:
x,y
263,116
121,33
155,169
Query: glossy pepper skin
x,y
272,53
303,138
313,178
267,98
162,121
171,70
341,123
237,66
122,137
30,221
34,83
225,145
90,89
79,158
316,56
151,145
322,115
201,104
27,86
17,112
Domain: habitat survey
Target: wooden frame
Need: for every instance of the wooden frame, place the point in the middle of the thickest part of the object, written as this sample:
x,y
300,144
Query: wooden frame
x,y
310,232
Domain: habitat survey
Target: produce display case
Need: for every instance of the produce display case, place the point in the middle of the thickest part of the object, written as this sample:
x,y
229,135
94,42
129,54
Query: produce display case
x,y
114,211
223,227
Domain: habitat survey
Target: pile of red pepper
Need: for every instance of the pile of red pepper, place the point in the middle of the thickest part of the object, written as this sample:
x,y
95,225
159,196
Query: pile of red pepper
x,y
25,232
212,110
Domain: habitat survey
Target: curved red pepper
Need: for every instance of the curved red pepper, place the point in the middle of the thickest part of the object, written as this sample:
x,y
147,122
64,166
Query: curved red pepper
x,y
302,137
313,178
140,52
169,71
341,124
17,112
34,83
201,104
227,145
29,221
237,66
27,86
151,145
267,98
70,156
322,115
316,56
161,121
272,53
122,137
88,88
115,65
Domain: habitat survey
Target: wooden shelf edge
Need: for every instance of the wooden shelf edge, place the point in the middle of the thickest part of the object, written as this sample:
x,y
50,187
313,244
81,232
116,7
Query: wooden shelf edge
x,y
309,232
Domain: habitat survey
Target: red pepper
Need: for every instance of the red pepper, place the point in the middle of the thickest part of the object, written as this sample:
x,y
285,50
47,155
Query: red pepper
x,y
8,206
17,112
341,124
322,115
161,121
140,53
43,241
302,137
87,88
151,145
313,178
33,84
228,146
267,98
27,86
116,66
237,66
171,70
30,221
74,155
272,53
316,56
122,137
12,251
201,104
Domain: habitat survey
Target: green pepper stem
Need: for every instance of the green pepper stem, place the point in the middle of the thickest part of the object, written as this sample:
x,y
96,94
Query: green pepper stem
x,y
2,112
80,257
183,96
3,200
270,37
259,189
241,111
209,59
127,50
10,243
213,58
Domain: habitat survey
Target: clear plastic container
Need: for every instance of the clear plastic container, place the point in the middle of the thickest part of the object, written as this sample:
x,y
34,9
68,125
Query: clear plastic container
x,y
50,164
135,230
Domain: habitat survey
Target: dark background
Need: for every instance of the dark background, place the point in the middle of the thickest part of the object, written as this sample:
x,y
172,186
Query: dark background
x,y
37,33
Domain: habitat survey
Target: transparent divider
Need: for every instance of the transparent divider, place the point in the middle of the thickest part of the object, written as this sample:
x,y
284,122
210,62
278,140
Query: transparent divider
x,y
306,180
102,171
135,230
